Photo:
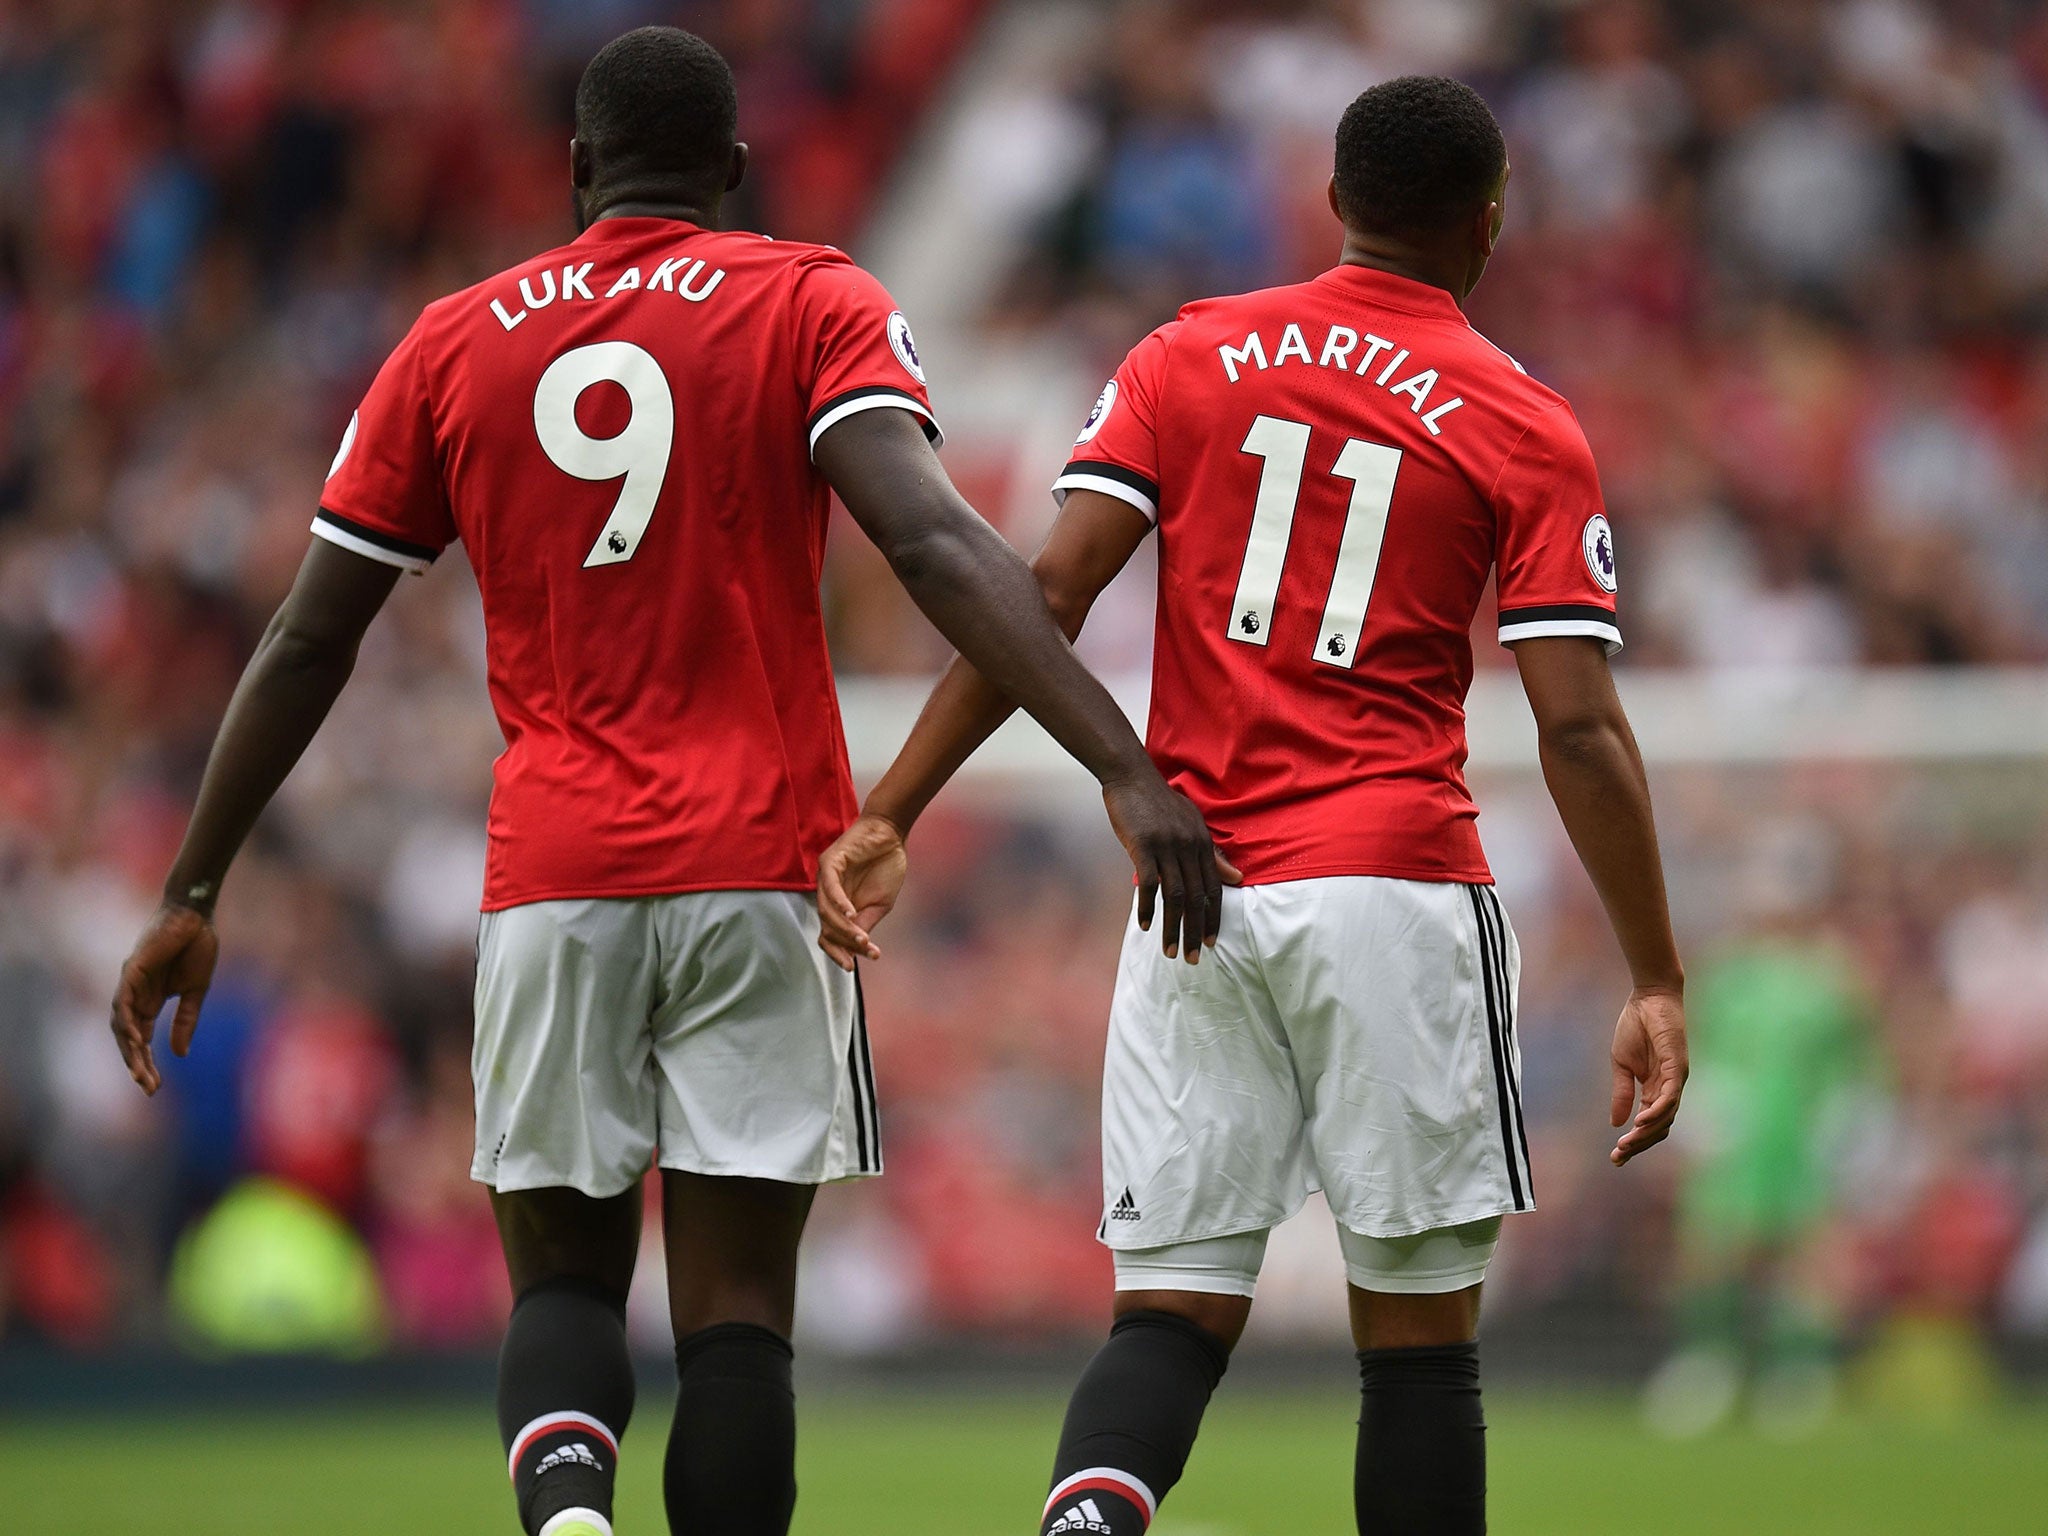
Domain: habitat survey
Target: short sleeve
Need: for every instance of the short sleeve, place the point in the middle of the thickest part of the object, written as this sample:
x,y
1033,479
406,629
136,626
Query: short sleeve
x,y
1553,549
1117,452
384,496
855,349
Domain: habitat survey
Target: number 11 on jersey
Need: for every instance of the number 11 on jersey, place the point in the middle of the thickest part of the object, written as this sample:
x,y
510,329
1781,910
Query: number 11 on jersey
x,y
1371,469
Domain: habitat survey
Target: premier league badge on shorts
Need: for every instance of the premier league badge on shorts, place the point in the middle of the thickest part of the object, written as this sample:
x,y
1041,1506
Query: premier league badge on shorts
x,y
1104,404
904,346
1599,542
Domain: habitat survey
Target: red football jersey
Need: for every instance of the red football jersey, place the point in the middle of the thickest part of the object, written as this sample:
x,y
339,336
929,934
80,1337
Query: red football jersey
x,y
1334,469
619,431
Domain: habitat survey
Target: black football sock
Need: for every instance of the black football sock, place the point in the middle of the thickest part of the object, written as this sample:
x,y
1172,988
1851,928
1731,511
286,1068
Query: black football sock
x,y
1421,1443
1131,1423
565,1392
731,1467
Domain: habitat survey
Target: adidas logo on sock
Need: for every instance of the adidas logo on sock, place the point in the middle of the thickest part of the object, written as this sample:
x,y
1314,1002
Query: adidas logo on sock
x,y
1086,1515
574,1454
1125,1209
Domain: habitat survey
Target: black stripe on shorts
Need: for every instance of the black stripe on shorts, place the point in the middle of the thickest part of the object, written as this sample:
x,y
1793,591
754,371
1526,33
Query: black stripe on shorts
x,y
860,1067
1507,1013
1496,1039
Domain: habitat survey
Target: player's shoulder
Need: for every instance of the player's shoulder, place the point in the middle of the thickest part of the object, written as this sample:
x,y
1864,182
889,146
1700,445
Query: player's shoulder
x,y
736,253
801,253
798,261
1224,316
1503,372
1225,310
446,317
817,279
1520,410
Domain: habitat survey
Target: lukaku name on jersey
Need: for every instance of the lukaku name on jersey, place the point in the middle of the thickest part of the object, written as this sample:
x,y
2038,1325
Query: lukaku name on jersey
x,y
670,277
636,437
537,417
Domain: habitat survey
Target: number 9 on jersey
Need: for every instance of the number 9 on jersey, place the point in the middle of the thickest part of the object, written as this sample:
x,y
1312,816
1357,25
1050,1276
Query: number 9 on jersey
x,y
639,452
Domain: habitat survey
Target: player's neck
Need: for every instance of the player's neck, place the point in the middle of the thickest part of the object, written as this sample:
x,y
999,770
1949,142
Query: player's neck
x,y
704,216
1435,269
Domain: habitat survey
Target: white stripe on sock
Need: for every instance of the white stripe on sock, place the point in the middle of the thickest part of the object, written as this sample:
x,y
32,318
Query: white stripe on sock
x,y
1139,1492
549,1423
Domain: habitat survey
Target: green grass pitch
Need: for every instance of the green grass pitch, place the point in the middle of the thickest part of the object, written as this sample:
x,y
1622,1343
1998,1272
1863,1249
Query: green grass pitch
x,y
951,1464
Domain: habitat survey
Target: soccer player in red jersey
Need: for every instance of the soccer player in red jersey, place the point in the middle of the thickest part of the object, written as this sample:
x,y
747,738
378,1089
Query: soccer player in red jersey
x,y
635,436
1334,469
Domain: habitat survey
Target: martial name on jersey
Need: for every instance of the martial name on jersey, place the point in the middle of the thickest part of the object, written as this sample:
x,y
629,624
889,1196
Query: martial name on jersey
x,y
1338,470
1339,342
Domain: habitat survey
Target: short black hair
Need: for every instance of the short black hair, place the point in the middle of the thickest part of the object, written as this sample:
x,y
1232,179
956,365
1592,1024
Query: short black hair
x,y
1417,155
658,104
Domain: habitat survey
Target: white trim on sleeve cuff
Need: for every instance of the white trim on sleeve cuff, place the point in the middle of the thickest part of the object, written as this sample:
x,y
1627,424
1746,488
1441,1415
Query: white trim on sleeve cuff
x,y
869,402
1080,480
1538,629
412,565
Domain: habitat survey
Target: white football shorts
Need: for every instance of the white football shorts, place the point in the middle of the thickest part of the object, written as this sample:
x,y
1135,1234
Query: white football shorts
x,y
1422,1264
1353,1034
705,1031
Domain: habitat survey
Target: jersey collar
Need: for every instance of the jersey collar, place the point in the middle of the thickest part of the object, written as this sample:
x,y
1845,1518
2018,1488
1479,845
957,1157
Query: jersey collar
x,y
625,228
1391,291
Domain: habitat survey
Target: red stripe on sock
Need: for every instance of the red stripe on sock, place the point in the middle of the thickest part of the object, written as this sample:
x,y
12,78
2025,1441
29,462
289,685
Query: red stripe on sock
x,y
563,1426
1123,1491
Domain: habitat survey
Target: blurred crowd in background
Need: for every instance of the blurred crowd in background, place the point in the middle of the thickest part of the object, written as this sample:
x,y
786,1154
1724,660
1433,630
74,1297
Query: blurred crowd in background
x,y
1789,261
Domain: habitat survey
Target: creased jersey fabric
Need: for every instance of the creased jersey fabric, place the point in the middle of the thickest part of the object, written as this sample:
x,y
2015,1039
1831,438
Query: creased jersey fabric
x,y
1335,469
620,432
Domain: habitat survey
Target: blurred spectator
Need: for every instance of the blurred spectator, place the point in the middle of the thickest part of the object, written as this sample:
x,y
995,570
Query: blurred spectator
x,y
1773,255
1789,263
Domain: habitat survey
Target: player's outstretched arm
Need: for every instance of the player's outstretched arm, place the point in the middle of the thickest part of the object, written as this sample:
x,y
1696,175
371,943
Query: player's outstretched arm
x,y
860,875
1595,775
982,597
287,689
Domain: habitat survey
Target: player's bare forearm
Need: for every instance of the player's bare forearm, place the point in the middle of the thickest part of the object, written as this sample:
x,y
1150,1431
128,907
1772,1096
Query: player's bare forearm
x,y
299,667
964,710
982,597
1595,776
861,875
974,587
1093,539
290,684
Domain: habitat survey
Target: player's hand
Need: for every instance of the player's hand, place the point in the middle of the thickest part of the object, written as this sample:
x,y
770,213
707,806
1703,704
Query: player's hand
x,y
1176,859
174,958
1650,1060
859,879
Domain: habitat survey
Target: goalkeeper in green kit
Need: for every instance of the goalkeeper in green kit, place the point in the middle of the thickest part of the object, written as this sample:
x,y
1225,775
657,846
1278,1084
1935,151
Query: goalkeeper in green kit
x,y
1783,1058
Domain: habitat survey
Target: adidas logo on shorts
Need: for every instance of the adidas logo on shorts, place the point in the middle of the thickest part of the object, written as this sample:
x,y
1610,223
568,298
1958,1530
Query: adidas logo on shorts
x,y
1126,1209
